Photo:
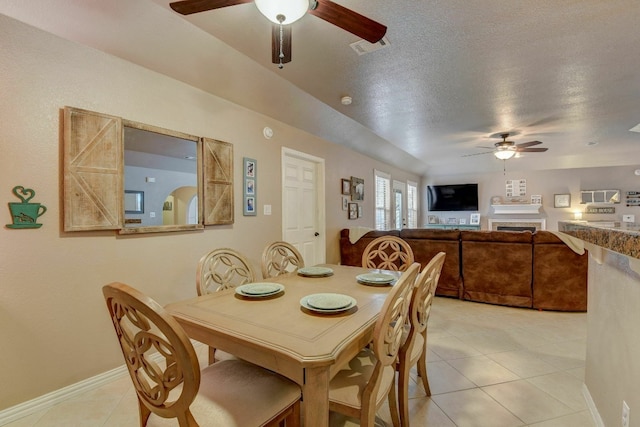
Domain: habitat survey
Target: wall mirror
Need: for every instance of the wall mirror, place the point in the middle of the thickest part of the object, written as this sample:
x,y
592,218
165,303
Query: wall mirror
x,y
162,166
137,178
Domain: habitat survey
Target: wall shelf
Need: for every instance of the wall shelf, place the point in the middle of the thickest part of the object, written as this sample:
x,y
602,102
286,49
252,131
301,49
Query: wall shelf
x,y
513,208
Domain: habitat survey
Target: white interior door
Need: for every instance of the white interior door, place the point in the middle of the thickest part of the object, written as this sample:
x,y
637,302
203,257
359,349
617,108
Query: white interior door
x,y
303,220
399,205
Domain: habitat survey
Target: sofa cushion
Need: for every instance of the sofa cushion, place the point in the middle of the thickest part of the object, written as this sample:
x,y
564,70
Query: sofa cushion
x,y
559,275
497,267
426,244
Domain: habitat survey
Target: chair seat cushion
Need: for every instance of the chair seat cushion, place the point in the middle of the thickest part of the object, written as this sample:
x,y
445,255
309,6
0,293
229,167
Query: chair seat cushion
x,y
234,393
346,387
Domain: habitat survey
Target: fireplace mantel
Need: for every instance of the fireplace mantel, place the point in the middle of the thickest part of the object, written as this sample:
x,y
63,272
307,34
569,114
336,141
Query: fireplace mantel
x,y
513,208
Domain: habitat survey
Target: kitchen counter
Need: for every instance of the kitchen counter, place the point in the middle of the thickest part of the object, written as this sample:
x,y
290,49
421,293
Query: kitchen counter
x,y
612,371
623,238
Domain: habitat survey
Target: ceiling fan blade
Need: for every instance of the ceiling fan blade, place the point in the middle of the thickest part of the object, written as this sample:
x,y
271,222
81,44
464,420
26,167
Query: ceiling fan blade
x,y
187,7
531,150
275,44
349,20
476,154
528,144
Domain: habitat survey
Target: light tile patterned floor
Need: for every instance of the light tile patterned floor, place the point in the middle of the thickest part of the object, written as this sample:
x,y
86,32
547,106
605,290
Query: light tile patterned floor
x,y
488,366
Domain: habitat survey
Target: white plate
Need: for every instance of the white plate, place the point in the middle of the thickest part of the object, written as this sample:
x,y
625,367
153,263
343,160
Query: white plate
x,y
315,271
261,289
328,303
376,278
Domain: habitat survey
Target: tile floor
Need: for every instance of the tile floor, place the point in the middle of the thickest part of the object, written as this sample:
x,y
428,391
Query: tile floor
x,y
488,366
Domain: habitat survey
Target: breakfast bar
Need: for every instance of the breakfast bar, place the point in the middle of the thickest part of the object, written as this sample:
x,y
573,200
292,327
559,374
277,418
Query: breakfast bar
x,y
612,372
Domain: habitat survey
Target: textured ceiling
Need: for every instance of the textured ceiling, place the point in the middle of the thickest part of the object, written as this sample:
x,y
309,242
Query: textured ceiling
x,y
455,75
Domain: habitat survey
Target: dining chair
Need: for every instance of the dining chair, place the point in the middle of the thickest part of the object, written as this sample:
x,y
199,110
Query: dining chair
x,y
414,346
388,253
361,386
167,379
220,269
280,258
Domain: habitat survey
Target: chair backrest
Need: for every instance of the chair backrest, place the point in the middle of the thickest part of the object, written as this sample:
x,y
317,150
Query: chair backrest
x,y
144,329
388,253
280,258
424,293
222,269
387,335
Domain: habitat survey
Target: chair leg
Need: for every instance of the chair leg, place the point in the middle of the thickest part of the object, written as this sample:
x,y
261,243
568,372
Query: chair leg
x,y
144,413
393,406
422,373
403,392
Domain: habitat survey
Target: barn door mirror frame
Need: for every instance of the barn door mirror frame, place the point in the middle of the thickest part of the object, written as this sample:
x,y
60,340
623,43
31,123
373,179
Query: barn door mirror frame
x,y
187,180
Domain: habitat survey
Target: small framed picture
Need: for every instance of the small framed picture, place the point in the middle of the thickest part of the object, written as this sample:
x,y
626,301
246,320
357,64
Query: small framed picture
x,y
462,221
357,189
251,187
250,205
562,200
250,181
474,219
353,211
452,220
359,211
345,203
432,219
346,186
536,199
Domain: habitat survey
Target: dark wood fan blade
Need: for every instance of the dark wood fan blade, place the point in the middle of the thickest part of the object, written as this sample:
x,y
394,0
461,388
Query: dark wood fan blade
x,y
187,7
349,20
275,44
528,144
531,150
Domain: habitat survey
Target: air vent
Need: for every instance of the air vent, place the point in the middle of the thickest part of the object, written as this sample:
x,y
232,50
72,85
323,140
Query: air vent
x,y
361,47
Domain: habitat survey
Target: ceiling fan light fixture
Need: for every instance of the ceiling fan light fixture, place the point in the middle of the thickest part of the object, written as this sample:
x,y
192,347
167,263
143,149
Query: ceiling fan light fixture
x,y
291,10
504,153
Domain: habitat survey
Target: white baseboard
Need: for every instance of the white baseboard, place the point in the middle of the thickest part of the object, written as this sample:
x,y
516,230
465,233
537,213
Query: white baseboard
x,y
48,400
592,407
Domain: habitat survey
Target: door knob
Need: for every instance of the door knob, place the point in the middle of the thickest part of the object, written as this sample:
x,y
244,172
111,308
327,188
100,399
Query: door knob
x,y
316,234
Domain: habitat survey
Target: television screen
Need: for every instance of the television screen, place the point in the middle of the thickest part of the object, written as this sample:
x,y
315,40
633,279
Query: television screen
x,y
458,197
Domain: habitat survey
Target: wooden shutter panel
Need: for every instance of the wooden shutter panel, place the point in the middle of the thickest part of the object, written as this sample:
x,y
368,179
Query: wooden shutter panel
x,y
217,163
93,171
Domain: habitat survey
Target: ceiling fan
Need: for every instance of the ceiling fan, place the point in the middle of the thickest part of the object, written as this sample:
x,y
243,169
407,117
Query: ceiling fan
x,y
504,150
285,12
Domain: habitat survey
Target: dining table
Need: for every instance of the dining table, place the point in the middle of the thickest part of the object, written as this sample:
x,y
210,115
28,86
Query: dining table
x,y
282,332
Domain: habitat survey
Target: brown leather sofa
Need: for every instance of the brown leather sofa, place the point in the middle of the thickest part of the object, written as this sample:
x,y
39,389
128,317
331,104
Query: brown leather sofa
x,y
520,269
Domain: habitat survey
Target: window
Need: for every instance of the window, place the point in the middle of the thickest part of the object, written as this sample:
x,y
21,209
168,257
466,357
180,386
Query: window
x,y
412,204
383,200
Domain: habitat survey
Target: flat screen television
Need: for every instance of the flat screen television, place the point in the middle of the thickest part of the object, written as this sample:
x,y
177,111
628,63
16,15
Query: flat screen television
x,y
457,197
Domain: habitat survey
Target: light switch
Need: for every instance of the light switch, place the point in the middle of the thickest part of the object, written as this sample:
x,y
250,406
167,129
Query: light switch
x,y
267,209
152,214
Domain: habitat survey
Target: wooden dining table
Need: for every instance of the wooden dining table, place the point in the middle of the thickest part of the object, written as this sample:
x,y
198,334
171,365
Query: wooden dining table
x,y
279,334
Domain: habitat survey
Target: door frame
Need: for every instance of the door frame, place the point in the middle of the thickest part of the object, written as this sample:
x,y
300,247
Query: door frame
x,y
320,196
400,186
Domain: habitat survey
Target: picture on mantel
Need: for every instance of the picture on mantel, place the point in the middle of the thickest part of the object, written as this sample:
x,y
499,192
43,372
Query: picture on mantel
x,y
516,187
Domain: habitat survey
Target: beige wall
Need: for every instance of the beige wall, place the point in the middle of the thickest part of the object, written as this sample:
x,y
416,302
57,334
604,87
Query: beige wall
x,y
612,372
54,327
546,183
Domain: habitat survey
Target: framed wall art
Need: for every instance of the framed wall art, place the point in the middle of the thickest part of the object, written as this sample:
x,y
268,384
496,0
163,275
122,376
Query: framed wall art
x,y
346,186
353,211
250,174
357,189
432,219
474,219
562,200
345,203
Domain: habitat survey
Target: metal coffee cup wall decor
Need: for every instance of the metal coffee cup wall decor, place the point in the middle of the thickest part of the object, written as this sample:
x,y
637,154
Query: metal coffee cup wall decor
x,y
25,214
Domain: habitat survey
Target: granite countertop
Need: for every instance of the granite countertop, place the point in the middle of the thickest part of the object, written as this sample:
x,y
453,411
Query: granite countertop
x,y
623,238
